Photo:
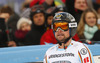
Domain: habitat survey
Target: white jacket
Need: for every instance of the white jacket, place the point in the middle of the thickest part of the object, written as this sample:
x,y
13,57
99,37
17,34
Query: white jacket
x,y
75,53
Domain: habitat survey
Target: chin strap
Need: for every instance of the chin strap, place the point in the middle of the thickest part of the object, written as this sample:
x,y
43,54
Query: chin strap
x,y
60,43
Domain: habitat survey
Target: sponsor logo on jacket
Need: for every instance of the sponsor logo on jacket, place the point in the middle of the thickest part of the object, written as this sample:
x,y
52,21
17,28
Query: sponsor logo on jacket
x,y
61,55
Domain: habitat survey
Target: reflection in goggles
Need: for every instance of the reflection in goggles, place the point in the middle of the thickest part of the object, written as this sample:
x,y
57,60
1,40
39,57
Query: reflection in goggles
x,y
63,25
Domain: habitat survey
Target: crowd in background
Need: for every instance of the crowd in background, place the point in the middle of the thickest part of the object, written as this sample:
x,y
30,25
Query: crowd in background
x,y
28,22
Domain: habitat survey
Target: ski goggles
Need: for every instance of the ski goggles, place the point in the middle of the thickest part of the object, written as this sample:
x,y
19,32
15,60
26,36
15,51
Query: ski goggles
x,y
62,25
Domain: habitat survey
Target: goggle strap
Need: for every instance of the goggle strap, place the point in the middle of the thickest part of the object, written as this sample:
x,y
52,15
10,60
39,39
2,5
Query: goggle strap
x,y
51,26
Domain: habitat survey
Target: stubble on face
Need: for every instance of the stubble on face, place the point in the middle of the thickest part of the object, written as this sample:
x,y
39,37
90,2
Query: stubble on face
x,y
61,36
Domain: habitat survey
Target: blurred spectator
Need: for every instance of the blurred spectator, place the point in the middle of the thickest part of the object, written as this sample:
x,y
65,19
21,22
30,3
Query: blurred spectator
x,y
97,8
3,35
6,36
96,36
48,3
88,24
50,12
26,7
6,12
37,16
76,7
23,27
10,16
49,16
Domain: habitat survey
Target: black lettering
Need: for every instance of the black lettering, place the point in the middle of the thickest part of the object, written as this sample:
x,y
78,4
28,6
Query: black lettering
x,y
61,55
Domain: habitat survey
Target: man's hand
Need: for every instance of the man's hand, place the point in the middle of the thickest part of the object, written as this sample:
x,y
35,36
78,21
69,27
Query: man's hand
x,y
12,44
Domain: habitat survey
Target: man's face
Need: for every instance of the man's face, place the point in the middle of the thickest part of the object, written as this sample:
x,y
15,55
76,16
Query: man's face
x,y
80,4
61,35
49,20
39,19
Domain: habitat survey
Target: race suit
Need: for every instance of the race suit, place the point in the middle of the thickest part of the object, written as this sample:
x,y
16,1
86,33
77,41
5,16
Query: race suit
x,y
75,53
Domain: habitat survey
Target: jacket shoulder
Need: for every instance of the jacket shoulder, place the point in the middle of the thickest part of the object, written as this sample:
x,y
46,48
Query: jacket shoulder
x,y
78,44
51,48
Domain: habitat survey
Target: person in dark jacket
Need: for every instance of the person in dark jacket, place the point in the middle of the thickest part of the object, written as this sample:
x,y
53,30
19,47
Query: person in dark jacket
x,y
50,12
10,16
6,35
96,36
37,16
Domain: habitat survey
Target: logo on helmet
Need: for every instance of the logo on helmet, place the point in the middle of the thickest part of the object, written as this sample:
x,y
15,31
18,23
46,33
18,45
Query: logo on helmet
x,y
58,17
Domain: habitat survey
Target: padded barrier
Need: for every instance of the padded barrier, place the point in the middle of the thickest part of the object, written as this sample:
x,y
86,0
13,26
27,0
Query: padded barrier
x,y
32,54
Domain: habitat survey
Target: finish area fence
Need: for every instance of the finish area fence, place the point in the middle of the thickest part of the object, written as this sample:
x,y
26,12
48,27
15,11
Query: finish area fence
x,y
35,54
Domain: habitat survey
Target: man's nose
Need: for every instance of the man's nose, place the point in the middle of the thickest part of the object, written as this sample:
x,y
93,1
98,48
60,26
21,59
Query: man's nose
x,y
59,30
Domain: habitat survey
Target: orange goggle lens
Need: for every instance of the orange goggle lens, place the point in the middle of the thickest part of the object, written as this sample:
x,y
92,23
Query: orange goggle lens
x,y
63,25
